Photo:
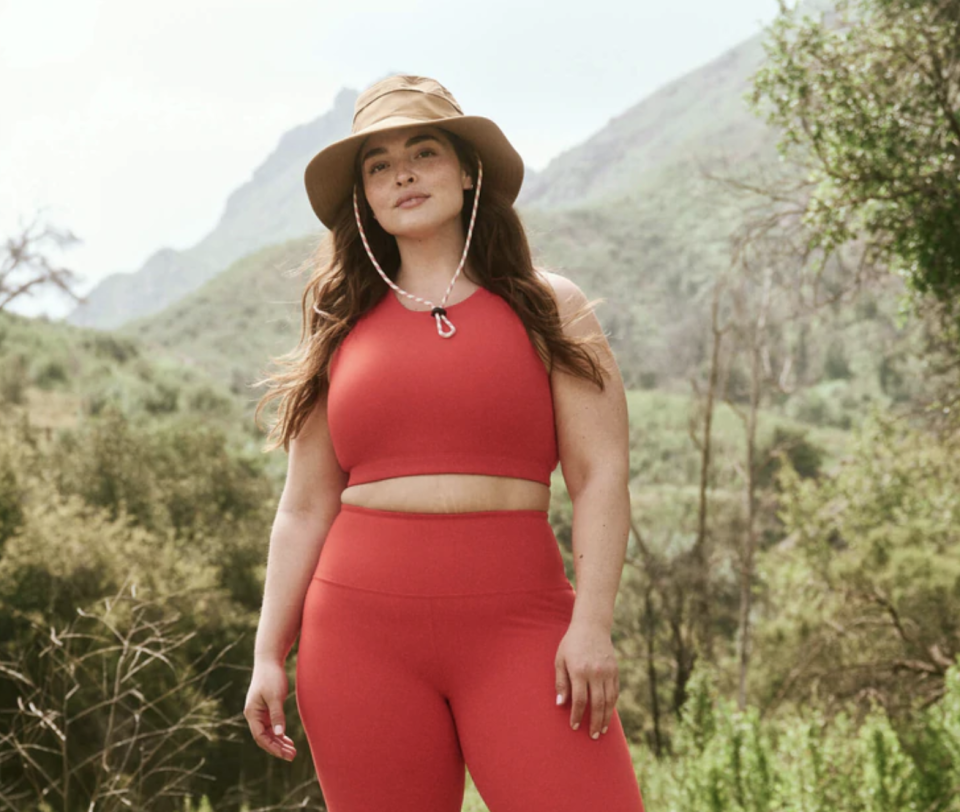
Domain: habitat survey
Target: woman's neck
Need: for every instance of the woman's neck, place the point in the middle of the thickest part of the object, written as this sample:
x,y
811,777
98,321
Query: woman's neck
x,y
428,265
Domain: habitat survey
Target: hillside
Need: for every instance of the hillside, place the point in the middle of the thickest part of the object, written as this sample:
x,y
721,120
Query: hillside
x,y
268,208
61,374
695,119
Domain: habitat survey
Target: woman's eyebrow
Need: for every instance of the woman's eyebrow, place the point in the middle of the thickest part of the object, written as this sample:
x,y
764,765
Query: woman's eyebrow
x,y
410,142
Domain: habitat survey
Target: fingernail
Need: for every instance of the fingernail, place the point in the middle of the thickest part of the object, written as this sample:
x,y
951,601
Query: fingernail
x,y
278,729
594,735
576,726
559,699
604,730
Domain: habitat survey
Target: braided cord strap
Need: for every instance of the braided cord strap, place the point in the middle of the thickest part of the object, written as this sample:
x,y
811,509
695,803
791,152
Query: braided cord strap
x,y
438,311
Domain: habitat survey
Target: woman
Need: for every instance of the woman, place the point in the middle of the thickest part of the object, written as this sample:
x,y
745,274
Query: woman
x,y
423,414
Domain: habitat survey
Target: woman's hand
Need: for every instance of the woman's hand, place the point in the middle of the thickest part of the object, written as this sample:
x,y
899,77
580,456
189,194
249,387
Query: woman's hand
x,y
263,709
586,664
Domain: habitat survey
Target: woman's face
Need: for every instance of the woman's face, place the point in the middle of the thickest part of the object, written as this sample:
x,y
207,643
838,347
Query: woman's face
x,y
418,161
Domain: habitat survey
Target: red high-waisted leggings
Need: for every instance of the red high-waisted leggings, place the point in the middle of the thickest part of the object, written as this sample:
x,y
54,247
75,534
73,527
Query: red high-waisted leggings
x,y
428,641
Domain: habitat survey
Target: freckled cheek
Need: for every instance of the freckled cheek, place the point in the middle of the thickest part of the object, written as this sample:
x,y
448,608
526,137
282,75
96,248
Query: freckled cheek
x,y
379,197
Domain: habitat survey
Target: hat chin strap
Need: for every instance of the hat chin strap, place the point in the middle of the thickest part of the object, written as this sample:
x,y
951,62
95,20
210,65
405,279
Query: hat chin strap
x,y
438,311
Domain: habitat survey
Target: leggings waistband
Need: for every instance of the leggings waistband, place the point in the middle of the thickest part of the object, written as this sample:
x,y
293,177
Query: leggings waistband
x,y
437,554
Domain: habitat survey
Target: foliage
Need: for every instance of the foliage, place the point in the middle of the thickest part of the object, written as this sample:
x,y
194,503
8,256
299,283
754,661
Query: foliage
x,y
109,715
805,457
868,103
142,544
62,373
866,584
804,761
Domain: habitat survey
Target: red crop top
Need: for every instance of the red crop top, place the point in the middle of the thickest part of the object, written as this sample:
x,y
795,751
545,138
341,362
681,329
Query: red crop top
x,y
404,401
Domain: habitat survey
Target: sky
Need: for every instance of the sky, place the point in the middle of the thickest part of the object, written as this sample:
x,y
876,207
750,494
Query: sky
x,y
129,122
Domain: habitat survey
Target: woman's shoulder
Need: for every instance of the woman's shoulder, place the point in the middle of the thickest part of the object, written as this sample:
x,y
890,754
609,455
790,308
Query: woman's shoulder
x,y
567,293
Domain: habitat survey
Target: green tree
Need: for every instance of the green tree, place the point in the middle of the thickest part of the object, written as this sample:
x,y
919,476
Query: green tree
x,y
867,104
866,581
131,571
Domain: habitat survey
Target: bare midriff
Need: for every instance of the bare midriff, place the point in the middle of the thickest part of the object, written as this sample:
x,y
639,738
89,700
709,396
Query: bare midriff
x,y
449,493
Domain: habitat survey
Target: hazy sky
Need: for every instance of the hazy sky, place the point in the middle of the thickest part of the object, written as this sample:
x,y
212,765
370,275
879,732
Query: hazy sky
x,y
130,122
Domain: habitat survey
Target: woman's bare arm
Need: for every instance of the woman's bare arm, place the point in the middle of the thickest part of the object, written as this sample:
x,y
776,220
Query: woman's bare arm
x,y
308,505
593,437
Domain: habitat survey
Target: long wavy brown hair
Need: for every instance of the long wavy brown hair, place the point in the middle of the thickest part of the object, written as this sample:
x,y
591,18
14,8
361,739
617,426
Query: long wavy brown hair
x,y
344,285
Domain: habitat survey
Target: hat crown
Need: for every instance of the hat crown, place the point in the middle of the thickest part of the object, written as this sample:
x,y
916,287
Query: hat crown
x,y
417,97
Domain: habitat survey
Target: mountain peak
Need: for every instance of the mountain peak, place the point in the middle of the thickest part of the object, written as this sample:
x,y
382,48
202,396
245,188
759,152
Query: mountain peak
x,y
344,101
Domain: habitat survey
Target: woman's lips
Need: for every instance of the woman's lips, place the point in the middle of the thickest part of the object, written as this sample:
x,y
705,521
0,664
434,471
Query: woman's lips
x,y
413,202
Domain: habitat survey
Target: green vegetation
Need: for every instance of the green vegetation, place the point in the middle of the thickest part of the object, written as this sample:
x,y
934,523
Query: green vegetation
x,y
868,102
804,760
154,522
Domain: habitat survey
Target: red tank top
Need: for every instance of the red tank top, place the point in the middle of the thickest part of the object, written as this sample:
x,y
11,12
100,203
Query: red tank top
x,y
403,400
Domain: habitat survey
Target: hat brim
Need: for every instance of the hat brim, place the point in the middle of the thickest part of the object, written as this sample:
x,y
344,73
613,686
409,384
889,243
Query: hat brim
x,y
329,175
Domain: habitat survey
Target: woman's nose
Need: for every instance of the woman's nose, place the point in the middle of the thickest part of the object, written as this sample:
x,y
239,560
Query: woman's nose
x,y
404,172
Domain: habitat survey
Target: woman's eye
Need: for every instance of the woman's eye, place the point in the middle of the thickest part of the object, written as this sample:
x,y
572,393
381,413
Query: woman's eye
x,y
374,167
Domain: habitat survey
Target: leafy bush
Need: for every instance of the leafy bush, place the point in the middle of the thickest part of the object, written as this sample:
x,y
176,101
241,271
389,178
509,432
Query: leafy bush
x,y
13,378
732,761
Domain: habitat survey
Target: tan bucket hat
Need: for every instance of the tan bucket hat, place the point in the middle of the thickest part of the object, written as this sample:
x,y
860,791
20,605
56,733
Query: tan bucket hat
x,y
396,103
